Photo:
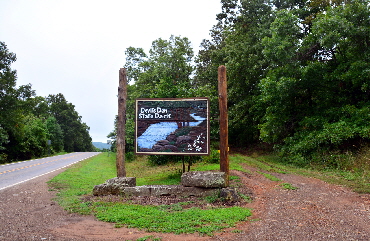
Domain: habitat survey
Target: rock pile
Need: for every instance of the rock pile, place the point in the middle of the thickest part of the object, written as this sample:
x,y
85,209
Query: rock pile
x,y
197,184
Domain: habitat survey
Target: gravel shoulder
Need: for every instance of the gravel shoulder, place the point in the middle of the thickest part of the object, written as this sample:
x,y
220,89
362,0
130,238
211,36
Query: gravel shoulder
x,y
315,211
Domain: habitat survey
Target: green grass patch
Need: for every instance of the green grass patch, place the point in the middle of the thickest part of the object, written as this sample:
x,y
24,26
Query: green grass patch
x,y
356,179
288,186
78,181
149,238
259,163
234,162
270,177
157,219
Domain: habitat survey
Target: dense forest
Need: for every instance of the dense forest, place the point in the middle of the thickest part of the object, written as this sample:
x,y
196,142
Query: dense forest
x,y
28,122
298,76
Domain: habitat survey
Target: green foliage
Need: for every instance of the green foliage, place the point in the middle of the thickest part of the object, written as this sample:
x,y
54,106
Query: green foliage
x,y
55,134
165,159
298,76
27,121
75,133
165,72
213,157
316,98
35,136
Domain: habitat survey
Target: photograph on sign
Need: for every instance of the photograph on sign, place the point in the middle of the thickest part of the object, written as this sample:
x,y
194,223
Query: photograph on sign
x,y
172,126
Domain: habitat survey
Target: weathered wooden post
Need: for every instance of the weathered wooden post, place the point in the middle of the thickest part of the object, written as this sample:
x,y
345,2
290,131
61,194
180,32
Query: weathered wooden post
x,y
121,123
224,140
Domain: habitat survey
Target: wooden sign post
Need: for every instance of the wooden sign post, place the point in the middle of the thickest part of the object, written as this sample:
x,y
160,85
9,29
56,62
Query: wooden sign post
x,y
224,140
121,123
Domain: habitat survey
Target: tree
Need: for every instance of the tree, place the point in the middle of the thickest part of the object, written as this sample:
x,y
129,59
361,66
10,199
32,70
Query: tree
x,y
75,133
169,64
316,93
166,72
4,139
27,121
55,134
35,136
12,108
236,43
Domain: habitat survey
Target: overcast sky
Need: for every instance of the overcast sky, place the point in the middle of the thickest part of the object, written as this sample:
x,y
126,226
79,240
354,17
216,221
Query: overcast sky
x,y
76,47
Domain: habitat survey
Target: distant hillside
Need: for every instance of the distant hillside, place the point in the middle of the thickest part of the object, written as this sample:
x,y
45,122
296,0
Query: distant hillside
x,y
101,145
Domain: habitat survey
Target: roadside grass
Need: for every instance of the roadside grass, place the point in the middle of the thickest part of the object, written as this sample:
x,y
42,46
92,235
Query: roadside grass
x,y
356,178
79,180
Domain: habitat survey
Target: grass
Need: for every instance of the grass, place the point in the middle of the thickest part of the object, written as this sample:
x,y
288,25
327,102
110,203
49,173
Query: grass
x,y
157,219
357,179
288,186
78,181
149,237
270,177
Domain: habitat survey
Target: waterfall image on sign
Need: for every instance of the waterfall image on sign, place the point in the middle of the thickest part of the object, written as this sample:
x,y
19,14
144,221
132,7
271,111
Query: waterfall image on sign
x,y
159,132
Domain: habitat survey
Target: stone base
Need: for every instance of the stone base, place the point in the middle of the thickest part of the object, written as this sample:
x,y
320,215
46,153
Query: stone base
x,y
194,184
113,186
168,190
206,179
123,181
153,190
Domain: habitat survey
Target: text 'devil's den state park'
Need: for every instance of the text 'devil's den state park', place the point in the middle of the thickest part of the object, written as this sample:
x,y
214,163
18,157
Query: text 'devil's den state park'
x,y
154,113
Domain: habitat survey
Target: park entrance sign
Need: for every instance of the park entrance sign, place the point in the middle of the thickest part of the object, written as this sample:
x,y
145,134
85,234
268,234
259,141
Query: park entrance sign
x,y
172,126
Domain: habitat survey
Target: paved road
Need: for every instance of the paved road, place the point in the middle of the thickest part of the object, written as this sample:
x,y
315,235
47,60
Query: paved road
x,y
15,173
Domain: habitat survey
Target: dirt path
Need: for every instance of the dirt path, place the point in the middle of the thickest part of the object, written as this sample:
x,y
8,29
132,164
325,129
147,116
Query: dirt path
x,y
315,211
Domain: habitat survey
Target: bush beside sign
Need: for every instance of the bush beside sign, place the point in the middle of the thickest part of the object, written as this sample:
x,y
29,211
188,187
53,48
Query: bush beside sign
x,y
172,126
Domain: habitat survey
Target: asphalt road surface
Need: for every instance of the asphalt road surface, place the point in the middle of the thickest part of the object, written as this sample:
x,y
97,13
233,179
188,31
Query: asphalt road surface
x,y
15,173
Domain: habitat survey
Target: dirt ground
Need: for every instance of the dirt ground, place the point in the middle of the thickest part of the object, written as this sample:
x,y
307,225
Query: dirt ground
x,y
315,211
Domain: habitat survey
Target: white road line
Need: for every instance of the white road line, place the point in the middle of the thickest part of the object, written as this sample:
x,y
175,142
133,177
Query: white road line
x,y
45,173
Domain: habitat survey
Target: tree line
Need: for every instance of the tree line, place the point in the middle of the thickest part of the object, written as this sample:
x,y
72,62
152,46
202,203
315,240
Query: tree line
x,y
28,121
298,75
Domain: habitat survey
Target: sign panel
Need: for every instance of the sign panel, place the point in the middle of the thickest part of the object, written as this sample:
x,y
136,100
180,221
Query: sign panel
x,y
172,126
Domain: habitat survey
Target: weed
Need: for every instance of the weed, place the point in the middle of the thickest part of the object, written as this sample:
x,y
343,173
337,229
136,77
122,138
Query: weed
x,y
259,163
245,197
171,208
149,237
212,199
236,231
235,178
288,186
214,157
270,177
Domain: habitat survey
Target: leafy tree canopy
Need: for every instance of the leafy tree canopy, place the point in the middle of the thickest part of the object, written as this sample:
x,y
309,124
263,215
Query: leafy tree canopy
x,y
28,121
